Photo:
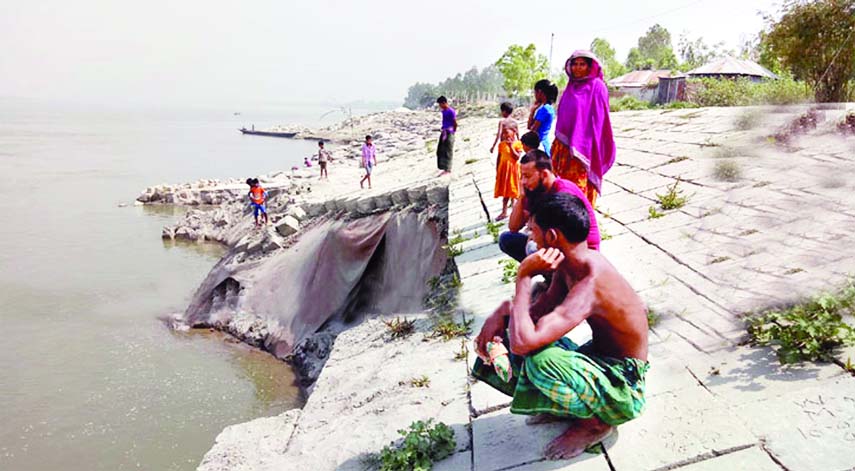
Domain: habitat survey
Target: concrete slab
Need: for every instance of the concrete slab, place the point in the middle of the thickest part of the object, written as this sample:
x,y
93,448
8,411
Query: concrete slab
x,y
486,399
581,463
503,441
742,375
809,429
754,459
456,462
675,428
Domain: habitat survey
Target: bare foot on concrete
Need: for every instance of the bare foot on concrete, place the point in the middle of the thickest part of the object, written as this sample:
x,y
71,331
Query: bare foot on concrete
x,y
545,419
574,441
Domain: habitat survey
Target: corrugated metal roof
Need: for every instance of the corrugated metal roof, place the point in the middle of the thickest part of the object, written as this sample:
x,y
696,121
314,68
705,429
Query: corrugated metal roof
x,y
732,66
639,78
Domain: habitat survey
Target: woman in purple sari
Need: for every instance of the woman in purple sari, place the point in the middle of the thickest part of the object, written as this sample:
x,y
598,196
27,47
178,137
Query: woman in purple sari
x,y
584,147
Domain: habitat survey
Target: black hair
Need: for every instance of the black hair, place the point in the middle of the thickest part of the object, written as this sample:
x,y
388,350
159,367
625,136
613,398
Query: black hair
x,y
442,99
531,139
320,143
589,61
507,107
564,212
368,137
540,158
549,89
249,181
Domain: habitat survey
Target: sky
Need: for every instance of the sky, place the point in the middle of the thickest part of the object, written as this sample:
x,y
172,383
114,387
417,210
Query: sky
x,y
247,53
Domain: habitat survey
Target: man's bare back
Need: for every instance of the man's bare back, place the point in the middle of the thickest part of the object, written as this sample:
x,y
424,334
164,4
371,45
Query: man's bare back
x,y
619,317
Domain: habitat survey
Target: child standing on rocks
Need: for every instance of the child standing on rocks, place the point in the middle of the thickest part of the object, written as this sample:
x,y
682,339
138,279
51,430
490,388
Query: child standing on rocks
x,y
257,198
323,158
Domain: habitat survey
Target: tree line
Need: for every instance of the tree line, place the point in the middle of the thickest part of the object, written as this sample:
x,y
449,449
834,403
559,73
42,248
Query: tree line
x,y
809,41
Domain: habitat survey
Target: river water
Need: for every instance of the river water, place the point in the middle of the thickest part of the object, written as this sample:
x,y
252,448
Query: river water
x,y
90,378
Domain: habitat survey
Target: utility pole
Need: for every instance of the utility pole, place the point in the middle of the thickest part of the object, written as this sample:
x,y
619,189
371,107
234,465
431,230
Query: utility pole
x,y
551,41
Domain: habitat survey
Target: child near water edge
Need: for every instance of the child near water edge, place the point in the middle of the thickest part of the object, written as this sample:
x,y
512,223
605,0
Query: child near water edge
x,y
257,198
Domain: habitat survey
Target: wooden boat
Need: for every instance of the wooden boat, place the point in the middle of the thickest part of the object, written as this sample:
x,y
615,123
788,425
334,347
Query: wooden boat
x,y
267,133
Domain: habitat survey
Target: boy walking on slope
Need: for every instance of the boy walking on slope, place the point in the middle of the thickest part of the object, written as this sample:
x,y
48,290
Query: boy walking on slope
x,y
257,198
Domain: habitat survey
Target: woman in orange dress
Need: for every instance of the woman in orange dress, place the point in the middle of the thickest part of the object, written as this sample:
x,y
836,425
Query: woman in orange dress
x,y
507,163
584,146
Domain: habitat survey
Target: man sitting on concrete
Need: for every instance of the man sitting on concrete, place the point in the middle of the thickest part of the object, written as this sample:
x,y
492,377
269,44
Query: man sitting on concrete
x,y
537,179
598,385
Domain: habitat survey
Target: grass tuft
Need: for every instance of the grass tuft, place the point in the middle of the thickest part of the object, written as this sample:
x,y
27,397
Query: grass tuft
x,y
672,199
400,328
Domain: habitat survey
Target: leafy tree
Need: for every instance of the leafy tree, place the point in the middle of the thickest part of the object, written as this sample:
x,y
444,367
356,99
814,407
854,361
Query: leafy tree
x,y
697,53
606,53
654,51
522,67
420,95
816,42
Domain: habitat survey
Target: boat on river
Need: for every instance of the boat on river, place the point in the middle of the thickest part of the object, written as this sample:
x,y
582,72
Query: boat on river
x,y
253,132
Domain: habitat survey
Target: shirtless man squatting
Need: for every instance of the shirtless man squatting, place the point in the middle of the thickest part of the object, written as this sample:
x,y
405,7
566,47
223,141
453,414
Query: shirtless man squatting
x,y
596,386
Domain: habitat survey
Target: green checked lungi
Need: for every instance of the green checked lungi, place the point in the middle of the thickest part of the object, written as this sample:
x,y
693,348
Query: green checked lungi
x,y
566,380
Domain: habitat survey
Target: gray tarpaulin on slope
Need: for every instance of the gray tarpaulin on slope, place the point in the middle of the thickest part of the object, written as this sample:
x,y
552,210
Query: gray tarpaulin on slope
x,y
378,263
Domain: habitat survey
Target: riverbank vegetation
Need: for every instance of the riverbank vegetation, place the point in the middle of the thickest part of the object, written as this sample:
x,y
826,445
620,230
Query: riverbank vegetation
x,y
824,27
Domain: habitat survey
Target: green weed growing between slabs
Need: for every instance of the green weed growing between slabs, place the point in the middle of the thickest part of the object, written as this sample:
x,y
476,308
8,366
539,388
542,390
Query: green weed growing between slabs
x,y
509,270
416,382
809,331
493,228
447,328
653,213
652,317
422,445
454,245
672,199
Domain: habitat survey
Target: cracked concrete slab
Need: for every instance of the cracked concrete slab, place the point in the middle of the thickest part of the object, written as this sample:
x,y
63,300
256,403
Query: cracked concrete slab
x,y
502,440
676,428
809,429
754,459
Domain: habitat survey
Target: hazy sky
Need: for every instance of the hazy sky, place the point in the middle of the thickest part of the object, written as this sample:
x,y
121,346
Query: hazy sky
x,y
243,53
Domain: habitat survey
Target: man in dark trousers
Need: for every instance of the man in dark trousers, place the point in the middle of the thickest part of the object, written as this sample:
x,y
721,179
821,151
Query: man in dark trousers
x,y
445,147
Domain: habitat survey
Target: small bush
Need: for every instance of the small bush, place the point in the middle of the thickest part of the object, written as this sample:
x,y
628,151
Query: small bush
x,y
627,103
653,213
509,270
399,329
672,199
679,105
421,446
727,170
807,331
744,92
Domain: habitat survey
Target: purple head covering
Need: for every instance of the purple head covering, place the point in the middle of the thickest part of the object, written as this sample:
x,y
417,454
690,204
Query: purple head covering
x,y
583,122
